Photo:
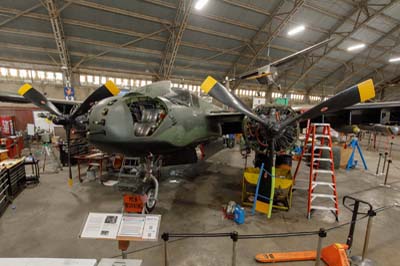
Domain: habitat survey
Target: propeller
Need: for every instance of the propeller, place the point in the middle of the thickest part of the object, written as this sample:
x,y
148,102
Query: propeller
x,y
107,90
355,94
358,93
268,72
222,94
67,121
38,99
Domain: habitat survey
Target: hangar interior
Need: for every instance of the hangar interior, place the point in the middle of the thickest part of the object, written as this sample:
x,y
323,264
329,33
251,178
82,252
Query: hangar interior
x,y
199,132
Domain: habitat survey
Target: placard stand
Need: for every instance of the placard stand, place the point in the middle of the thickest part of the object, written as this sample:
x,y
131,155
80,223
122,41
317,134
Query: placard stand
x,y
122,227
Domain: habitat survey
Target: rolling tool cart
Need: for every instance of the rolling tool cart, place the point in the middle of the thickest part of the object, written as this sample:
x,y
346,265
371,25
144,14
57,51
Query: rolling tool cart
x,y
16,176
4,191
35,176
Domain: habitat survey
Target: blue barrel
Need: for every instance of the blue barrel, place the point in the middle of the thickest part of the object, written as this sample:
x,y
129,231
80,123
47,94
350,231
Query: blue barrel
x,y
239,214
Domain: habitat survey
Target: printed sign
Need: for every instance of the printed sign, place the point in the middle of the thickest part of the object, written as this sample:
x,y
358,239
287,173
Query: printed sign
x,y
134,203
69,93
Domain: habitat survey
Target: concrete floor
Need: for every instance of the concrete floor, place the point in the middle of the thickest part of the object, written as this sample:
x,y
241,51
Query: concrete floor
x,y
45,221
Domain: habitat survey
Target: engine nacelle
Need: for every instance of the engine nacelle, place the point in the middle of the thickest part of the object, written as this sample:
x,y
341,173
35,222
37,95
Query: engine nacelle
x,y
257,135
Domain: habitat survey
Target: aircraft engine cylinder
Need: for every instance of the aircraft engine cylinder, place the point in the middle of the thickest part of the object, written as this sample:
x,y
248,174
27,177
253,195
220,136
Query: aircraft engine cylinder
x,y
258,135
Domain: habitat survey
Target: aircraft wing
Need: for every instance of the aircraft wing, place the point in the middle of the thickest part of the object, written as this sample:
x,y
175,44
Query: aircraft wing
x,y
375,105
63,105
374,116
230,122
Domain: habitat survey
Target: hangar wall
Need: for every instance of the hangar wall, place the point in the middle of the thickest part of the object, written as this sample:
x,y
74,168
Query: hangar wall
x,y
52,90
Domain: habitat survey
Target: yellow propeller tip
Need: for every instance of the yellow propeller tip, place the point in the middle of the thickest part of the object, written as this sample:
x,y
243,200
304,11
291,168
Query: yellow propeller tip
x,y
24,89
208,84
112,88
366,89
70,182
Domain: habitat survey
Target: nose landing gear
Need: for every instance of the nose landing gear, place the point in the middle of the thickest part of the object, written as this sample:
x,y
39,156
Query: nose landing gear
x,y
139,177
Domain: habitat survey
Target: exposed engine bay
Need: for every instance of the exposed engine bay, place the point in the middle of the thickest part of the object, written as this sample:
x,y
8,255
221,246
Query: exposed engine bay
x,y
256,134
147,114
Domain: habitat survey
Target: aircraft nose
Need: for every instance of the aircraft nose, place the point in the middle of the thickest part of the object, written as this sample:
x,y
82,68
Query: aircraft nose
x,y
110,121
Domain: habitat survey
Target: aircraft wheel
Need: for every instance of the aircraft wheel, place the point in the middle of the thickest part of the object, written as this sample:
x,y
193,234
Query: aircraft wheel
x,y
150,192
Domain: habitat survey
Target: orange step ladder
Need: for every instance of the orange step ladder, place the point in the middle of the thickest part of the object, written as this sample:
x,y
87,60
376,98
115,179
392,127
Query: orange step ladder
x,y
318,190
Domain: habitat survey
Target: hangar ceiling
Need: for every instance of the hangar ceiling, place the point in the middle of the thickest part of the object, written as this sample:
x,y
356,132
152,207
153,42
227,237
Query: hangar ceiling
x,y
172,40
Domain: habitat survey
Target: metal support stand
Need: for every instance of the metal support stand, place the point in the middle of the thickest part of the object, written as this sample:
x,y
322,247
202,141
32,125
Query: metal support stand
x,y
234,237
362,260
384,163
390,149
165,237
355,145
379,163
123,245
321,235
387,174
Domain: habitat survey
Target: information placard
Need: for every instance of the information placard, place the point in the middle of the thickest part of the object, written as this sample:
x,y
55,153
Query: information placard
x,y
116,226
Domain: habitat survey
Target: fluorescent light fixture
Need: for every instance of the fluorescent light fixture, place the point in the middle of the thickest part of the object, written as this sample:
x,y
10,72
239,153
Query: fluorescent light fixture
x,y
296,30
394,59
200,4
356,47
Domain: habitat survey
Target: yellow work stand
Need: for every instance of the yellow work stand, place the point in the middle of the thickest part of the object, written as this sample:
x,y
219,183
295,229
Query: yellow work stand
x,y
283,187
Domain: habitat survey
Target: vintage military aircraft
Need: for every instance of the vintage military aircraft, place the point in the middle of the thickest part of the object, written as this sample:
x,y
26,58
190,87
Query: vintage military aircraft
x,y
168,122
159,120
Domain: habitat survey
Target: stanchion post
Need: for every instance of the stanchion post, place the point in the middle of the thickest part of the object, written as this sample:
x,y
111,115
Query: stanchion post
x,y
384,162
165,237
390,149
371,215
379,162
387,171
234,237
321,235
363,260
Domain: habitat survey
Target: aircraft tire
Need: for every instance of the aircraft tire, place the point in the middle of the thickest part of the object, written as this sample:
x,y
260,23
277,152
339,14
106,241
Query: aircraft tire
x,y
149,189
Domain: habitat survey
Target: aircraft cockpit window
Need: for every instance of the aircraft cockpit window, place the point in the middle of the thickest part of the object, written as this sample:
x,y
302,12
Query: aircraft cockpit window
x,y
179,96
195,100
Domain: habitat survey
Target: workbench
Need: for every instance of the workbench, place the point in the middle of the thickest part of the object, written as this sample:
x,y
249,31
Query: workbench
x,y
93,159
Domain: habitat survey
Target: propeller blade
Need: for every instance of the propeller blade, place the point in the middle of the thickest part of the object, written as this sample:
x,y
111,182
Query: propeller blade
x,y
295,55
219,92
358,93
107,90
270,69
38,99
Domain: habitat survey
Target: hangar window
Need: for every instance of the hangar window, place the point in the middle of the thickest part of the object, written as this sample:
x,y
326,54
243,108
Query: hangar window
x,y
13,72
41,75
119,81
89,79
4,71
96,80
59,76
82,79
23,73
50,75
32,74
112,79
125,82
103,80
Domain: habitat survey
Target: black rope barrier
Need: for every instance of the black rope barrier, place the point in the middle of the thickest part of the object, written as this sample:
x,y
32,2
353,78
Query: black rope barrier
x,y
275,235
